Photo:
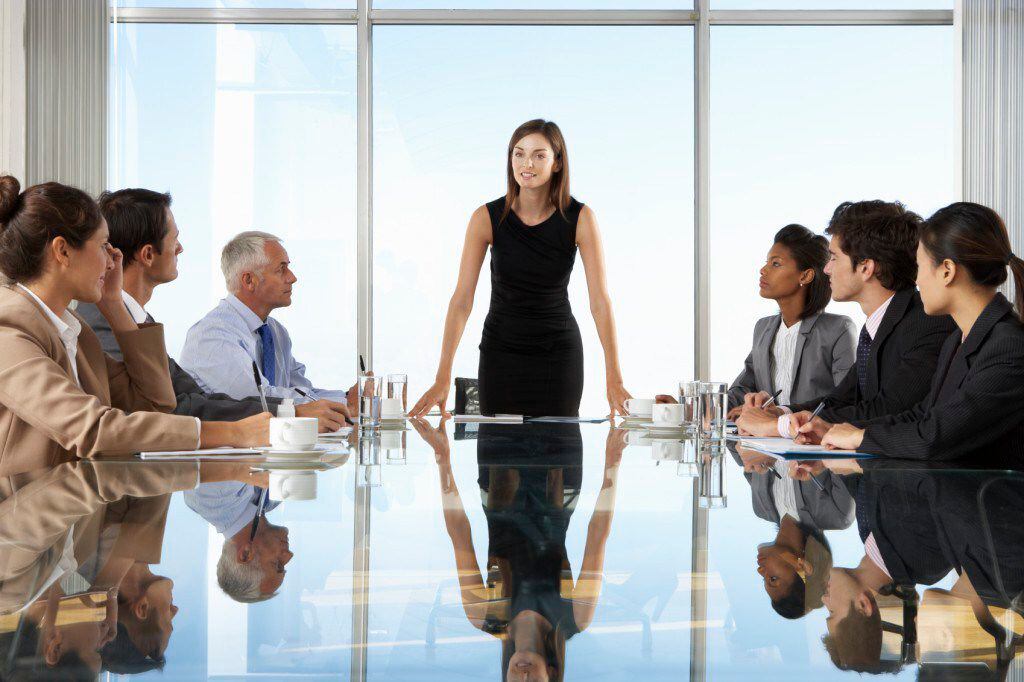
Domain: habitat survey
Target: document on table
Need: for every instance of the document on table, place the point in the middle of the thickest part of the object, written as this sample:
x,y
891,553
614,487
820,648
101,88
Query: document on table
x,y
343,432
786,446
481,419
236,453
567,420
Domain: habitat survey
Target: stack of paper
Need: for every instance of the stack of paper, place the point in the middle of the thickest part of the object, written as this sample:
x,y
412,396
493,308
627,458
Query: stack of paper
x,y
496,419
340,434
786,446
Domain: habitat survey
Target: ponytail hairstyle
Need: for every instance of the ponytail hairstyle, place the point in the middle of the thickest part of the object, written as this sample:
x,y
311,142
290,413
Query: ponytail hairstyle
x,y
558,187
810,251
974,237
31,219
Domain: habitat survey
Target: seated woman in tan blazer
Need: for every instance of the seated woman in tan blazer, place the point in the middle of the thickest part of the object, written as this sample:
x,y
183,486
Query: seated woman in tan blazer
x,y
61,397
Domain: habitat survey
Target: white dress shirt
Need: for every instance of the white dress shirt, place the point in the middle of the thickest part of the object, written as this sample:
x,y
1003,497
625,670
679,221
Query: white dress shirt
x,y
872,324
135,308
783,352
68,328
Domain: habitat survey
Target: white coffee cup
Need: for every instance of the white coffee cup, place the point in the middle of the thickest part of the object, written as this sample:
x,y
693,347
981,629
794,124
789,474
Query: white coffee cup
x,y
667,414
293,433
391,408
639,407
292,485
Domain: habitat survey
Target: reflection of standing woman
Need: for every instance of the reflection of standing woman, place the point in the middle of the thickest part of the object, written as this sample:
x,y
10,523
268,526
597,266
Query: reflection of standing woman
x,y
531,354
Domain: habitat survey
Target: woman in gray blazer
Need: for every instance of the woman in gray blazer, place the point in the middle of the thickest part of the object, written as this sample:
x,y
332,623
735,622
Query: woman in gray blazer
x,y
801,351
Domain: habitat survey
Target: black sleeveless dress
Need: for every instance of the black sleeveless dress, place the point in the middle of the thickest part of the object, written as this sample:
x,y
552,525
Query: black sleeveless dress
x,y
531,353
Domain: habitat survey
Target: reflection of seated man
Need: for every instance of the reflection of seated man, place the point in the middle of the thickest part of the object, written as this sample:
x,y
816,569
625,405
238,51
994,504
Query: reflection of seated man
x,y
901,548
57,636
221,348
248,570
142,226
530,478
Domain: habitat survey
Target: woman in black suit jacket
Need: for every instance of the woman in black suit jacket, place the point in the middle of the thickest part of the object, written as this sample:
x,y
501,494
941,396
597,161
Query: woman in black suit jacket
x,y
975,403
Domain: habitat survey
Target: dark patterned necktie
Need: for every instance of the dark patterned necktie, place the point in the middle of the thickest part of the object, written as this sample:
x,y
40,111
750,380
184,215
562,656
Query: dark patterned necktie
x,y
863,351
267,363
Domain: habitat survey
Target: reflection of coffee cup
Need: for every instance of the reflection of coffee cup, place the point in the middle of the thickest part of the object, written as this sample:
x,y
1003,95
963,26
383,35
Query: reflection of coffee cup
x,y
293,432
667,414
391,408
292,485
639,407
637,438
666,450
391,440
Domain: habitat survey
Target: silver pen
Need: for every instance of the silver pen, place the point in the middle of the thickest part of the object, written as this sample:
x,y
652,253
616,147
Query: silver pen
x,y
259,386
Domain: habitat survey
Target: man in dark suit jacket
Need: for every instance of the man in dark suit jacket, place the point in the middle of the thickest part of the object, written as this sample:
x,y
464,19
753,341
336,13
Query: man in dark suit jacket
x,y
143,228
873,262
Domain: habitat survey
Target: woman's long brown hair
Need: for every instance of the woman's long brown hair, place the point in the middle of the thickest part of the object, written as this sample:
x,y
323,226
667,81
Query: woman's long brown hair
x,y
558,187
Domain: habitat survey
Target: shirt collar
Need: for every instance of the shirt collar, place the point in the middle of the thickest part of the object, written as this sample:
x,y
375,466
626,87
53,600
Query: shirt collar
x,y
135,308
874,320
68,326
251,319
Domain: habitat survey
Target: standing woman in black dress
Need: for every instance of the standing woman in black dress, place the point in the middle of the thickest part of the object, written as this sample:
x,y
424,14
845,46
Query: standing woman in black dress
x,y
531,354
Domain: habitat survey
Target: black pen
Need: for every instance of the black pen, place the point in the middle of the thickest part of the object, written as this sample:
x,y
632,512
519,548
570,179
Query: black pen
x,y
259,386
362,365
772,399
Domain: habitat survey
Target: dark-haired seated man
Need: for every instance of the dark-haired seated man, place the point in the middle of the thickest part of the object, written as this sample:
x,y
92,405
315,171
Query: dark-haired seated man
x,y
142,226
872,262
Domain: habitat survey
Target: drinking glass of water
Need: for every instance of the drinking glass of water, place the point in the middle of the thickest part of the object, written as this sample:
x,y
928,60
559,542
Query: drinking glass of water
x,y
370,391
398,387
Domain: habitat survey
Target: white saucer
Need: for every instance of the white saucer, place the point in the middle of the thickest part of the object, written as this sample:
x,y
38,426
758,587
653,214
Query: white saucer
x,y
636,417
292,448
314,465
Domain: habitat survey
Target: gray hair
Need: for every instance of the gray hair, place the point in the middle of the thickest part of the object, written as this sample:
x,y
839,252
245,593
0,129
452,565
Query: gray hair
x,y
244,253
240,581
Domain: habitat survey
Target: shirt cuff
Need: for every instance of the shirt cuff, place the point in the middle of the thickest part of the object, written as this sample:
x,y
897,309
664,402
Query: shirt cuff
x,y
199,433
783,426
785,410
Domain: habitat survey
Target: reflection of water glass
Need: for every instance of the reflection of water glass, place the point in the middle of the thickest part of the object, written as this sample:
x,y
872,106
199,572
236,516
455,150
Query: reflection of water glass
x,y
368,471
369,451
370,389
689,398
712,479
394,446
398,387
713,407
369,476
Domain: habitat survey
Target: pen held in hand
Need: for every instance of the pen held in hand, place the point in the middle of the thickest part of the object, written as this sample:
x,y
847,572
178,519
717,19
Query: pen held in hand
x,y
259,386
772,399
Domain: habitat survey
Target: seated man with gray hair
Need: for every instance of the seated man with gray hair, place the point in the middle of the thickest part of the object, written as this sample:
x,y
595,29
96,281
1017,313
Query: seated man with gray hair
x,y
221,348
249,570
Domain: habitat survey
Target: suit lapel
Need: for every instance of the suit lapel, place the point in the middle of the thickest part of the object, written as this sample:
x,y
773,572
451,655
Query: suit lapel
x,y
960,364
805,330
893,314
762,355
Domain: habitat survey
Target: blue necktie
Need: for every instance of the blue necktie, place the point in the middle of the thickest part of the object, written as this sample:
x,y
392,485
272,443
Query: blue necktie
x,y
863,351
267,362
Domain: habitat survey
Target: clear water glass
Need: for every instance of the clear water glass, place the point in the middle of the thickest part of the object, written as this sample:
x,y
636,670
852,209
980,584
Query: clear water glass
x,y
398,387
370,391
689,398
713,408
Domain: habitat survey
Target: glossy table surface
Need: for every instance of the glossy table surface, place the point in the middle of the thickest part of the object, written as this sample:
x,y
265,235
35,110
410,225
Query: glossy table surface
x,y
537,551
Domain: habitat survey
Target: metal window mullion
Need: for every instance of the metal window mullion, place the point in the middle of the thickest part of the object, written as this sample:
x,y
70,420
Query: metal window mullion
x,y
364,185
702,193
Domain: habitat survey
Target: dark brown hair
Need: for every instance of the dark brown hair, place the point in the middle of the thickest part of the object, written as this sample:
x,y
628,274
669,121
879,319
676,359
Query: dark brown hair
x,y
882,231
31,219
136,218
975,237
558,187
810,251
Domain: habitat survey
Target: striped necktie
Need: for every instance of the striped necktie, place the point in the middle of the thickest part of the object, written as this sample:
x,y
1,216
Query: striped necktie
x,y
863,351
267,361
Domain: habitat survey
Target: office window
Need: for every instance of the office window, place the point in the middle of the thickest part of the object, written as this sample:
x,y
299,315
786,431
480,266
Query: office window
x,y
532,4
804,118
241,4
446,101
832,4
248,127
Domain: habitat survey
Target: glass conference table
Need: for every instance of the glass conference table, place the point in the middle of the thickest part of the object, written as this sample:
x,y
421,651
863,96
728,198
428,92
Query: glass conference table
x,y
552,551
